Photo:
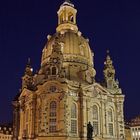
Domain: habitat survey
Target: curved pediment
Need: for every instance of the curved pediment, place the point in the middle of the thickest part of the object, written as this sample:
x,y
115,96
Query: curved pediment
x,y
52,87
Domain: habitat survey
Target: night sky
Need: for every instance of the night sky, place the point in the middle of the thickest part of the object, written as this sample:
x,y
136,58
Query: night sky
x,y
109,24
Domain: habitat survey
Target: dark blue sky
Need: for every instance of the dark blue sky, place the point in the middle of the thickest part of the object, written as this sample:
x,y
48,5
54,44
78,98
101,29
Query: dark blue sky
x,y
109,24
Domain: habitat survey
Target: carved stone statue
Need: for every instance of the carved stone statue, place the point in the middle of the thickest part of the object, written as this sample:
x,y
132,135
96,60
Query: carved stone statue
x,y
89,131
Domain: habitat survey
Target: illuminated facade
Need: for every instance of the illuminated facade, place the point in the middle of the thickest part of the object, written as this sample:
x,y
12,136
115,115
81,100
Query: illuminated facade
x,y
127,132
59,101
135,128
6,132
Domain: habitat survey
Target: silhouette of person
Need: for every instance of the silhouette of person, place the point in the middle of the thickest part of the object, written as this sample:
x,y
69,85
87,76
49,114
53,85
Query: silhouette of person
x,y
89,131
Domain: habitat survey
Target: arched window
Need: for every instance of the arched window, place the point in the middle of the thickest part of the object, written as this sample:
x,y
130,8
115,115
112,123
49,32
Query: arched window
x,y
110,122
53,70
70,17
53,117
61,19
53,109
74,118
95,120
81,49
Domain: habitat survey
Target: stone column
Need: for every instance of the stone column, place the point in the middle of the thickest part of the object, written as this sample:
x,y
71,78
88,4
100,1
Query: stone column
x,y
105,125
21,123
85,117
120,118
102,122
16,122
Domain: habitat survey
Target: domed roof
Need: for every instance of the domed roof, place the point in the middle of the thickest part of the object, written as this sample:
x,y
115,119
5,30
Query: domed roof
x,y
74,47
67,53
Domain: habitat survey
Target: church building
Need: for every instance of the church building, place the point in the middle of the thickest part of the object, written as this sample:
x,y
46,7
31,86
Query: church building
x,y
63,97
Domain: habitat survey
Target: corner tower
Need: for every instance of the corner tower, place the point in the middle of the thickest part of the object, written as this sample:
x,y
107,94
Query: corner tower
x,y
109,72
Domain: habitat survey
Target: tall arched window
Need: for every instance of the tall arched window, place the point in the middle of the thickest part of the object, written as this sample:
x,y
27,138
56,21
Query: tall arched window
x,y
70,17
54,71
110,122
81,49
53,117
95,120
61,19
74,118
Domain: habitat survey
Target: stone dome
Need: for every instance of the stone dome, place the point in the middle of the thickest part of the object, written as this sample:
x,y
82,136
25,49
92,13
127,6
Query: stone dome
x,y
74,47
67,53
